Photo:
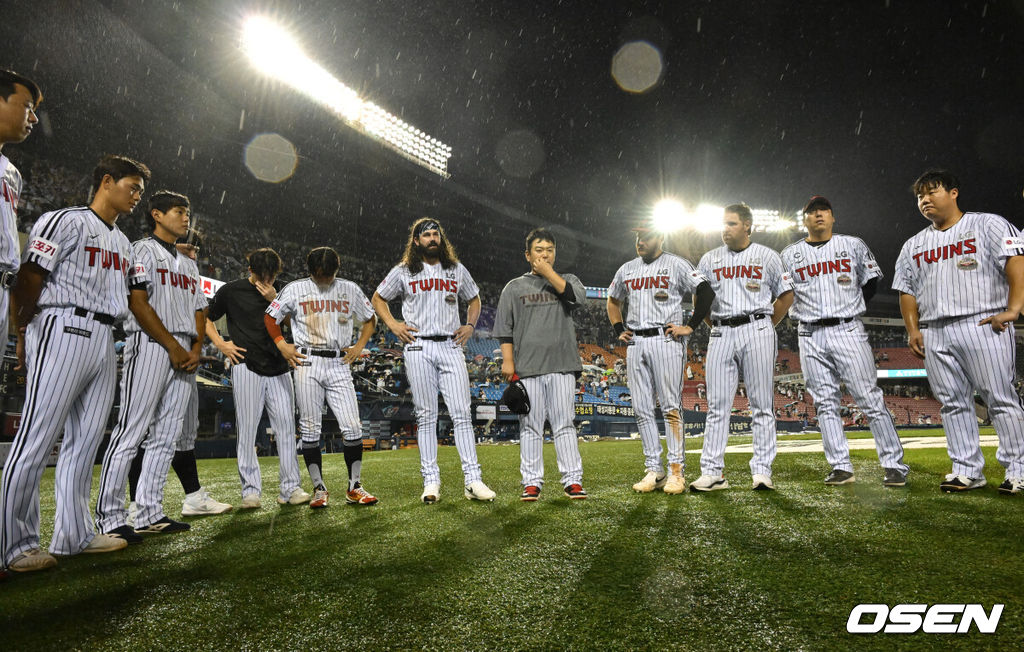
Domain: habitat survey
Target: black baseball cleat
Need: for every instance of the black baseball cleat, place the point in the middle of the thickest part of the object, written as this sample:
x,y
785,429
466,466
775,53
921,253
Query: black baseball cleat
x,y
1011,486
164,526
894,478
955,483
127,533
838,477
575,492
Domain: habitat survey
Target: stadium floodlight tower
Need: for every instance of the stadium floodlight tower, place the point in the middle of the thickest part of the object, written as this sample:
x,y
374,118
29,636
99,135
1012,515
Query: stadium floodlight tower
x,y
276,54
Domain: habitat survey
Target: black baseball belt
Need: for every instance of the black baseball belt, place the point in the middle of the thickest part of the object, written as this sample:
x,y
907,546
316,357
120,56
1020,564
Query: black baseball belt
x,y
737,321
320,353
828,322
107,320
649,332
434,338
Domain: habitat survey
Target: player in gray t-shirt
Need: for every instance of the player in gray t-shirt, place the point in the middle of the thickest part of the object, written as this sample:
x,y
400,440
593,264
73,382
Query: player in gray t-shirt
x,y
538,346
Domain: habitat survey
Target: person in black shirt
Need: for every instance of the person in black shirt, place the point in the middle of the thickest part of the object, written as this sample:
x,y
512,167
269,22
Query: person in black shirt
x,y
260,376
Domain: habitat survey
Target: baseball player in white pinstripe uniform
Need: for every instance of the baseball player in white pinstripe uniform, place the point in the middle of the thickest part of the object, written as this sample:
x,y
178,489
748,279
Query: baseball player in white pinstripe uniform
x,y
961,284
19,98
322,309
154,390
833,276
538,345
430,280
71,289
752,294
260,377
656,283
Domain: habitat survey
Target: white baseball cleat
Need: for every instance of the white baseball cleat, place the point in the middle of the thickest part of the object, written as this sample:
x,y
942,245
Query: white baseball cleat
x,y
35,559
650,482
106,543
431,494
250,501
954,483
1012,486
762,482
201,504
479,491
675,484
296,497
709,483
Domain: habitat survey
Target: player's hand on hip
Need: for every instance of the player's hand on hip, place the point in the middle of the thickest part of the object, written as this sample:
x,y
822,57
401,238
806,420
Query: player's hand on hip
x,y
626,336
508,369
404,332
232,352
462,334
268,291
999,322
290,353
678,331
915,341
352,354
192,364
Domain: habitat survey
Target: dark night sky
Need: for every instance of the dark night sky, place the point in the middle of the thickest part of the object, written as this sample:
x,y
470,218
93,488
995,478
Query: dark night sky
x,y
767,102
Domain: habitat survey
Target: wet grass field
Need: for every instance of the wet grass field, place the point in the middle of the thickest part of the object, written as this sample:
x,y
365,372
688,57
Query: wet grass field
x,y
735,569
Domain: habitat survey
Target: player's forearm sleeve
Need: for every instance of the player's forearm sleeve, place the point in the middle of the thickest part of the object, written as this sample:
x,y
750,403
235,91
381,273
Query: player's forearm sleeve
x,y
272,328
869,289
702,306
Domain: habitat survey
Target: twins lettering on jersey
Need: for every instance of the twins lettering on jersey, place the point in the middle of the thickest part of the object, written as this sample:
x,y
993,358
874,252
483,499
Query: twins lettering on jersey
x,y
841,266
434,285
537,299
321,305
177,280
945,252
738,271
107,259
648,282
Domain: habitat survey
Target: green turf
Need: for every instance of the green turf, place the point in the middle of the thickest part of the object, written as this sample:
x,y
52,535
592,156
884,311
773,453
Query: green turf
x,y
730,570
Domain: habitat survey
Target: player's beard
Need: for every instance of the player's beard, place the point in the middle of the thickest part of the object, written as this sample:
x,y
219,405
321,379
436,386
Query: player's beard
x,y
430,251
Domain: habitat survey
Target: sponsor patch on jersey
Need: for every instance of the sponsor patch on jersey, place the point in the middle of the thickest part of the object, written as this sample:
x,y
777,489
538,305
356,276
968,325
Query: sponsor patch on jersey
x,y
967,264
843,254
275,305
798,256
43,248
804,333
753,286
715,333
1011,243
787,277
81,332
661,295
139,269
870,265
844,280
414,347
450,298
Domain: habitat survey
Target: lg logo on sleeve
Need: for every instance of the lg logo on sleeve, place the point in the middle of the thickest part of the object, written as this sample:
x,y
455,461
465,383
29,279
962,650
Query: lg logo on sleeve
x,y
934,619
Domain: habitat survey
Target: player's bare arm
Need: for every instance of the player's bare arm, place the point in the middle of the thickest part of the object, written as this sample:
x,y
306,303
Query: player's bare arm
x,y
401,330
463,333
1015,300
197,343
508,361
911,317
353,352
287,349
231,351
614,308
25,302
138,303
781,306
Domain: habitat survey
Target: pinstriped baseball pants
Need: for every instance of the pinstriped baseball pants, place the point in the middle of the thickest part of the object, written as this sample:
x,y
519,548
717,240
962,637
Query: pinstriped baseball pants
x,y
829,354
72,375
552,399
441,366
153,400
252,393
961,357
319,378
753,348
654,367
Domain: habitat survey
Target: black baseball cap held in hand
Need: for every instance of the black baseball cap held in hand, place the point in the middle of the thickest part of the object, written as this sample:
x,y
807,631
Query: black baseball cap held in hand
x,y
515,397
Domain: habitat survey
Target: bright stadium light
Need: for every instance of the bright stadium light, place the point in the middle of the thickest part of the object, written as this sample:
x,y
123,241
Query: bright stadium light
x,y
276,54
708,218
669,215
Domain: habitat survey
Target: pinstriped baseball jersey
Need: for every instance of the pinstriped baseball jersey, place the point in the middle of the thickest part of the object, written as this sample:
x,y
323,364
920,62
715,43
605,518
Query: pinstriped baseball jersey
x,y
88,261
430,299
322,318
10,191
827,280
656,291
959,271
745,282
172,282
